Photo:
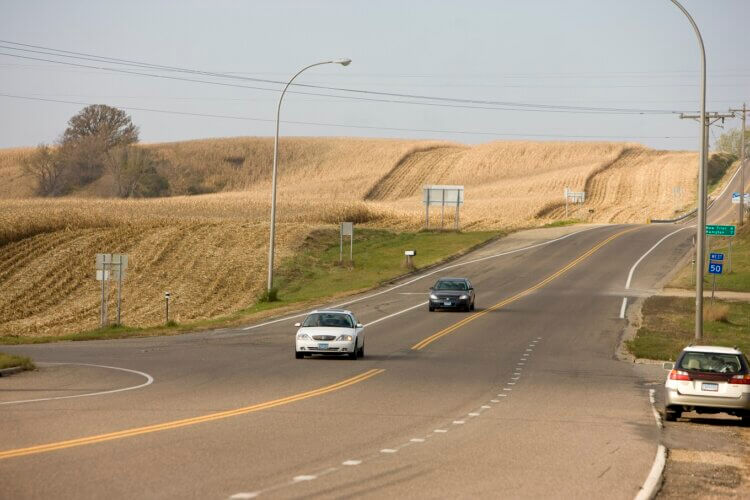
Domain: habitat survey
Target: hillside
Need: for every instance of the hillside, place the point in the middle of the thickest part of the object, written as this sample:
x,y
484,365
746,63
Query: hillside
x,y
209,249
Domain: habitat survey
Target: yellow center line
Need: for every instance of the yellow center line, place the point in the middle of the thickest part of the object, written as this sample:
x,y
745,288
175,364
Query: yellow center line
x,y
175,424
442,333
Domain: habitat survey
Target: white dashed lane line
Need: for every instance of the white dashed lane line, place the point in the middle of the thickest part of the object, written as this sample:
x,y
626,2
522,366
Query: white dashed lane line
x,y
389,451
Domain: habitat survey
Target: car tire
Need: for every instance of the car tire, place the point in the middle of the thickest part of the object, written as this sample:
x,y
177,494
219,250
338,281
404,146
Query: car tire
x,y
746,420
353,354
430,308
671,414
472,306
298,355
362,351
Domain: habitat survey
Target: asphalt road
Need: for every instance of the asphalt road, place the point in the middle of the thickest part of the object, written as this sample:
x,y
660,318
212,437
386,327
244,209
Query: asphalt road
x,y
522,398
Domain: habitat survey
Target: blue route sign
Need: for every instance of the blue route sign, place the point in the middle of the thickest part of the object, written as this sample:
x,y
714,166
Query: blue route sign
x,y
716,256
715,268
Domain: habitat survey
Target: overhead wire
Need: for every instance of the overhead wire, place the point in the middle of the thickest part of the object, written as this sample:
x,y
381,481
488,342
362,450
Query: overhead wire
x,y
138,64
351,126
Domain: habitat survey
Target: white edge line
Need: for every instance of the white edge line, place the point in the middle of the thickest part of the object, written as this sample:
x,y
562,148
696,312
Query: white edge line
x,y
653,481
149,381
637,262
445,268
623,307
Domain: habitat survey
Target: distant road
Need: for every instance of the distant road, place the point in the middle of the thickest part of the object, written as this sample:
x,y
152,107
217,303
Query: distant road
x,y
523,399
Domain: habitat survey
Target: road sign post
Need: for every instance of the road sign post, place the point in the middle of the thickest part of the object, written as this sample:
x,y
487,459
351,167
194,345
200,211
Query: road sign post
x,y
110,266
167,295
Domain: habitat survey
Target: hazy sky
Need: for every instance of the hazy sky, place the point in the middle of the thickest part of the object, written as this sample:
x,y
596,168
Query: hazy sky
x,y
624,54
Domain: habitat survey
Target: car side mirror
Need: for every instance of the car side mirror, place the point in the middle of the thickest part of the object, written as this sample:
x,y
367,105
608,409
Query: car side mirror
x,y
298,325
668,366
360,325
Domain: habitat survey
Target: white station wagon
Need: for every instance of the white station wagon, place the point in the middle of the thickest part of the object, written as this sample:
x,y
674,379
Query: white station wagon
x,y
330,331
708,379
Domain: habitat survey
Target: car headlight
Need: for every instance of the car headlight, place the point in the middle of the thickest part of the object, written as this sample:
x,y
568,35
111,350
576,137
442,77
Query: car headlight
x,y
346,338
303,336
463,297
433,296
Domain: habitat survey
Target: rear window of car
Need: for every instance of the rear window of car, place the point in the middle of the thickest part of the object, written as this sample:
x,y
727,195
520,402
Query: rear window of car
x,y
712,362
329,320
451,285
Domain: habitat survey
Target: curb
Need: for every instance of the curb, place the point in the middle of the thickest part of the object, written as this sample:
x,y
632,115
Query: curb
x,y
654,479
10,371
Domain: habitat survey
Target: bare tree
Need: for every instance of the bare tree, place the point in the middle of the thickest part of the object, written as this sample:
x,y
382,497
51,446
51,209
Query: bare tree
x,y
731,142
135,172
45,166
111,126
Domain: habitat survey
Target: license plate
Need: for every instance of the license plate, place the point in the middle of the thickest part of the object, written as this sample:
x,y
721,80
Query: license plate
x,y
447,303
322,346
709,387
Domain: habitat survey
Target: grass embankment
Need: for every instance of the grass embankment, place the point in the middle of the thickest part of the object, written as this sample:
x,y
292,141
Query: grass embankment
x,y
668,322
736,281
315,275
668,326
10,361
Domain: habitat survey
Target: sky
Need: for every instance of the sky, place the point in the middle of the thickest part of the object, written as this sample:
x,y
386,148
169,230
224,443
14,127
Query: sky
x,y
483,70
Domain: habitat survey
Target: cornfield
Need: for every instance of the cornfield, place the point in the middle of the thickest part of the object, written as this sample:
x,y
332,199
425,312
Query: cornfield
x,y
209,250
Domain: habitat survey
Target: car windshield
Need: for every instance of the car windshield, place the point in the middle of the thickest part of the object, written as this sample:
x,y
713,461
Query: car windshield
x,y
329,320
711,362
450,285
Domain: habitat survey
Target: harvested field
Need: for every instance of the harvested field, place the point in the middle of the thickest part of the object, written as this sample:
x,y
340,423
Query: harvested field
x,y
209,250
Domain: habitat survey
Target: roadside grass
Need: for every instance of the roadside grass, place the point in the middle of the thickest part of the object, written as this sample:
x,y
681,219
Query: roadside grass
x,y
668,326
11,360
561,223
736,281
314,275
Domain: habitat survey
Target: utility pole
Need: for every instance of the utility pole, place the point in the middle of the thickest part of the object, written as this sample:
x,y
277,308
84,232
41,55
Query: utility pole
x,y
742,163
705,119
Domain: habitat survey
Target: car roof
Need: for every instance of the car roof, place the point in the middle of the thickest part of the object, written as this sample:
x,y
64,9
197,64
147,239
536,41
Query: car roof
x,y
712,348
332,310
453,279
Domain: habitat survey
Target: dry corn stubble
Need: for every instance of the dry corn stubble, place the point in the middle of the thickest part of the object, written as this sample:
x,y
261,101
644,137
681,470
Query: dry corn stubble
x,y
210,250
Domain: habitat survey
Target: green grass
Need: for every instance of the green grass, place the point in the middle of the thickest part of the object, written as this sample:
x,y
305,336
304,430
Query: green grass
x,y
10,360
561,223
314,275
668,326
739,279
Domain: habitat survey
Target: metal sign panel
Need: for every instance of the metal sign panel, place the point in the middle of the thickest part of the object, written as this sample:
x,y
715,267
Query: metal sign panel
x,y
574,196
347,229
102,275
442,195
715,268
717,230
716,256
736,198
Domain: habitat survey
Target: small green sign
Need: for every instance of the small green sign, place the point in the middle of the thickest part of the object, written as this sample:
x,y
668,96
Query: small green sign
x,y
715,230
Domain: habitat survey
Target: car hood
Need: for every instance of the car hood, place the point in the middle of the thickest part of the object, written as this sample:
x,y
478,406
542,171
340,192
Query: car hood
x,y
326,330
450,293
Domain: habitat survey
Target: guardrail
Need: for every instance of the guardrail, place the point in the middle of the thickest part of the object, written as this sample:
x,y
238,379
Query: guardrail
x,y
682,217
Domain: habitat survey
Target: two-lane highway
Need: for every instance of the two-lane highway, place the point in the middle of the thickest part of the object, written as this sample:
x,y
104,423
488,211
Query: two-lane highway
x,y
521,398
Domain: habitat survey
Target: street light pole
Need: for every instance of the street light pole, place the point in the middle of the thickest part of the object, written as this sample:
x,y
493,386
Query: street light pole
x,y
343,62
701,193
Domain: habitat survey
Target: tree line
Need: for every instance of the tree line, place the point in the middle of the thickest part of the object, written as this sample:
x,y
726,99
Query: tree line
x,y
97,140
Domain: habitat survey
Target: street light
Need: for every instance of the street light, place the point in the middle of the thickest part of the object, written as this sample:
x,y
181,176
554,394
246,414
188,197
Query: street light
x,y
701,213
343,62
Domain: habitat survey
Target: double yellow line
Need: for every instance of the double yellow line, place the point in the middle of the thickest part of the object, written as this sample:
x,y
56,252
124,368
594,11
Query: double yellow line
x,y
442,333
175,424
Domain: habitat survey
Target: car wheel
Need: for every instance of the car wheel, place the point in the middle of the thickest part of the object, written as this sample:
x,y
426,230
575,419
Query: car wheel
x,y
746,420
298,355
362,351
431,308
353,354
671,413
472,306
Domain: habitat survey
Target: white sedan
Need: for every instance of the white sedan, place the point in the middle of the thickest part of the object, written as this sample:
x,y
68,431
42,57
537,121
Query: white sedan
x,y
330,331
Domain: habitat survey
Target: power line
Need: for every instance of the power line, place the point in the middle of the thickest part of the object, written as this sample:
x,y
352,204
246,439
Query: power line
x,y
138,64
351,126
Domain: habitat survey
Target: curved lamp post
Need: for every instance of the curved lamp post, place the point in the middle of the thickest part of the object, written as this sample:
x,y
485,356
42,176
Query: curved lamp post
x,y
700,237
343,62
